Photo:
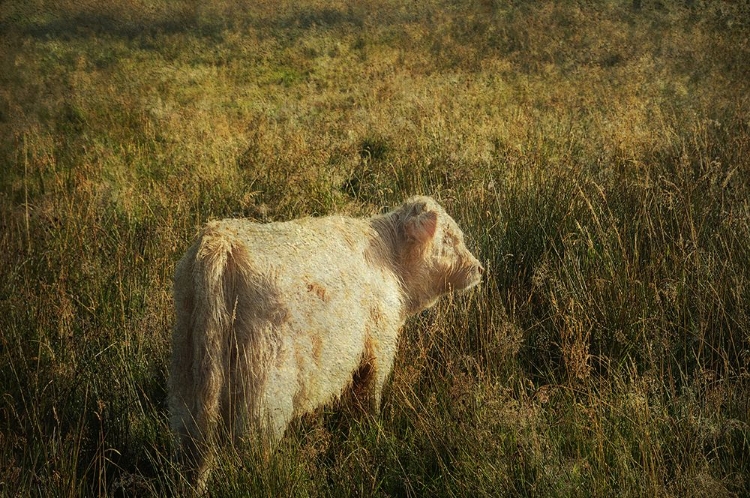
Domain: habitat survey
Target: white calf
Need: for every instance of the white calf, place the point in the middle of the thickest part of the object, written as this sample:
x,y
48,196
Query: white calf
x,y
274,320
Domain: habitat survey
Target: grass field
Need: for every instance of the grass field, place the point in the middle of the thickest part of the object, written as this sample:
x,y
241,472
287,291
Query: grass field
x,y
597,154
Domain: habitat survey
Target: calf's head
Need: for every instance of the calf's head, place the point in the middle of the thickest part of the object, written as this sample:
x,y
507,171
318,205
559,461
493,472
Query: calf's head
x,y
431,252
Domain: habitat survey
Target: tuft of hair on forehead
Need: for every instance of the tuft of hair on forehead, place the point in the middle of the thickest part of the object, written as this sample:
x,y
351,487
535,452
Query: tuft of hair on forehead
x,y
420,203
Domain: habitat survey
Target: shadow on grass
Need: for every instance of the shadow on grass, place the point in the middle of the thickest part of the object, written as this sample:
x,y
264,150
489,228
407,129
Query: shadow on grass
x,y
127,21
99,20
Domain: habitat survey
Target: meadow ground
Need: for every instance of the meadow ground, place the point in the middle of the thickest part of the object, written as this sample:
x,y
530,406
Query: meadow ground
x,y
596,153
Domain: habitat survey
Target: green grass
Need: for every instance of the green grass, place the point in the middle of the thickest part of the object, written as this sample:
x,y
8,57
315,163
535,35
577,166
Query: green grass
x,y
597,155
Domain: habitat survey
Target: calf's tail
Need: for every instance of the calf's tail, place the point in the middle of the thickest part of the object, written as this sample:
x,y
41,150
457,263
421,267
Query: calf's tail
x,y
204,302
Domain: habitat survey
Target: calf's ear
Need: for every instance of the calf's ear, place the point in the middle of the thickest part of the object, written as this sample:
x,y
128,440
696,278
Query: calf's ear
x,y
421,227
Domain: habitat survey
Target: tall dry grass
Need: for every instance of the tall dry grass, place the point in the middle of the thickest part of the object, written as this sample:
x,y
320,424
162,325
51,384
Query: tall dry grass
x,y
596,154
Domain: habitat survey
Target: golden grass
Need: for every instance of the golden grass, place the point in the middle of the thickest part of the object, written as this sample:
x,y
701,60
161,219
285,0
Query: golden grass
x,y
596,154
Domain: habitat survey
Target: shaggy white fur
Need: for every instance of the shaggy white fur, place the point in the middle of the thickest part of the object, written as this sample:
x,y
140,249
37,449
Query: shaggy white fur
x,y
274,320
